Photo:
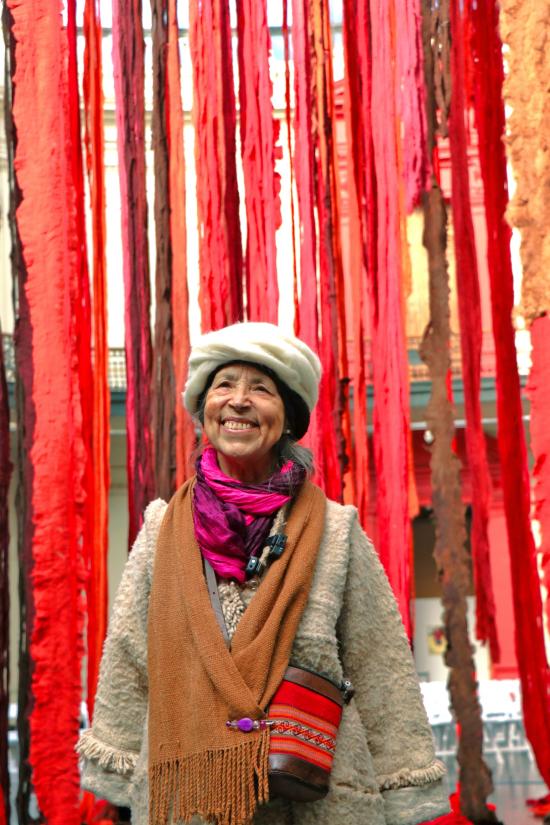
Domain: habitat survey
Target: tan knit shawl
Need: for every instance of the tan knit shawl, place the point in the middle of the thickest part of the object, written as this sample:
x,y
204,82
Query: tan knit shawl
x,y
196,764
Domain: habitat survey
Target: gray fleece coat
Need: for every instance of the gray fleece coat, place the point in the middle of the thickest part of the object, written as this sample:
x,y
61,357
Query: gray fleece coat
x,y
384,771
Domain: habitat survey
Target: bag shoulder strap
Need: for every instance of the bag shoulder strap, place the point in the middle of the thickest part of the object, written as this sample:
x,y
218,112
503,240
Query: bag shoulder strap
x,y
212,584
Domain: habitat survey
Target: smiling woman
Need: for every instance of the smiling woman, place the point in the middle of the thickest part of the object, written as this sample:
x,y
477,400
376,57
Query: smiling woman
x,y
249,606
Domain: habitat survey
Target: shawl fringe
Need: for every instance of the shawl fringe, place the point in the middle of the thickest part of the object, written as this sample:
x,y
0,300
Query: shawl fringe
x,y
223,786
106,756
415,777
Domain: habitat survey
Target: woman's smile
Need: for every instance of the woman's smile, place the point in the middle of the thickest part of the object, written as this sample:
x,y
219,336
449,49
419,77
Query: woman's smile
x,y
240,425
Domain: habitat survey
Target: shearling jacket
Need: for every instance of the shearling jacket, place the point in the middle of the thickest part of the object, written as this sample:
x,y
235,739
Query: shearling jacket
x,y
384,770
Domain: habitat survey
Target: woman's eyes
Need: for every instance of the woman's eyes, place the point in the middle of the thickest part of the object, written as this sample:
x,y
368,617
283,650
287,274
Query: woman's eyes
x,y
228,385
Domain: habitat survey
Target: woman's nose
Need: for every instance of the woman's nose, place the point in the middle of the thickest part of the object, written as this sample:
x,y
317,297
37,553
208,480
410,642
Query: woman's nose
x,y
240,395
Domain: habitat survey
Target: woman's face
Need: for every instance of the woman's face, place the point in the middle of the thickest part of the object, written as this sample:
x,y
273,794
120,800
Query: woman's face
x,y
244,417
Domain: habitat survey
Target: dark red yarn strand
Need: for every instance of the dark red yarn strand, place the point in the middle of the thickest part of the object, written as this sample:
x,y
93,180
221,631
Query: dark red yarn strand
x,y
530,648
307,322
128,66
214,116
307,326
24,411
259,133
163,366
5,476
469,307
330,264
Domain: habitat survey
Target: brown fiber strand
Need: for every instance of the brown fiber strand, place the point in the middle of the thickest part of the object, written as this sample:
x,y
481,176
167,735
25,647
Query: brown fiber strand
x,y
524,28
450,554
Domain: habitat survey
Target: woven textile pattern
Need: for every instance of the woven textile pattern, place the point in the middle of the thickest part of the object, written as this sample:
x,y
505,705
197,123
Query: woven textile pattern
x,y
305,726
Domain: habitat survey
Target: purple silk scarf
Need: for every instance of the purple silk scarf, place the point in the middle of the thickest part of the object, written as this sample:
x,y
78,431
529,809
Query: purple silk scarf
x,y
232,519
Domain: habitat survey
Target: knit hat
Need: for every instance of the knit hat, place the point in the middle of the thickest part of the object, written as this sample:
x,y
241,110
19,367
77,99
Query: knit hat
x,y
289,359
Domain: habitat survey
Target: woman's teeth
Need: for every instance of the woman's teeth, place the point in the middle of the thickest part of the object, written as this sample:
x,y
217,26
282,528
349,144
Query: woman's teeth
x,y
237,425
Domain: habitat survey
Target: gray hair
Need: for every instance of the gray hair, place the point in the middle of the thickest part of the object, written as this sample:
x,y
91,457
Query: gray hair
x,y
287,449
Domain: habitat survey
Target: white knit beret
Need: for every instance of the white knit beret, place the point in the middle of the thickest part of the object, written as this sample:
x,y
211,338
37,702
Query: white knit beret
x,y
260,343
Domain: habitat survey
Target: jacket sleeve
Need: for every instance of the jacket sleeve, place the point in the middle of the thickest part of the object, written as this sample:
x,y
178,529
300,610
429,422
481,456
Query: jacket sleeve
x,y
377,658
109,750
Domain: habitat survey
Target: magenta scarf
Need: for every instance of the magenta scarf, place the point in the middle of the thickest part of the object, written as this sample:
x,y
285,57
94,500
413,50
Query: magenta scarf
x,y
233,519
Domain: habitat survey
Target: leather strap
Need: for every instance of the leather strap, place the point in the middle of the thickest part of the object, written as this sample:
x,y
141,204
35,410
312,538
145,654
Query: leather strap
x,y
212,585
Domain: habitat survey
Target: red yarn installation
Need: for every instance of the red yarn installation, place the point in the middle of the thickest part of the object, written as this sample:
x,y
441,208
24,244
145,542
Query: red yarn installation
x,y
214,115
128,67
97,595
5,476
489,109
391,405
47,225
469,307
259,133
355,45
539,395
185,430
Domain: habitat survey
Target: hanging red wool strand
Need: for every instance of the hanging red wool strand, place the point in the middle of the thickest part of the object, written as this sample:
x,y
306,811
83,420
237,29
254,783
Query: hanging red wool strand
x,y
530,648
5,476
288,114
81,296
128,68
412,169
47,225
163,367
355,45
306,326
306,323
214,115
391,405
410,99
185,430
331,408
539,395
469,308
259,134
97,595
81,299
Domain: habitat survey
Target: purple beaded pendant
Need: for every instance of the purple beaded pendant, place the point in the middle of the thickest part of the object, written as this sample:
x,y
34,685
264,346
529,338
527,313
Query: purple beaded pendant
x,y
246,724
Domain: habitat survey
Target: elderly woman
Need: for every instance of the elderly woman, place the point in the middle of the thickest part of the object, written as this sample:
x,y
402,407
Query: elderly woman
x,y
248,605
